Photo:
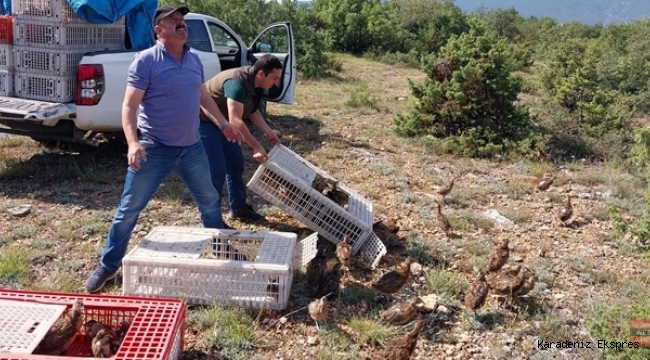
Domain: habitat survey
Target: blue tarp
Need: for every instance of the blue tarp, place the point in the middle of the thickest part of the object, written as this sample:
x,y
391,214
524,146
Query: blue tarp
x,y
139,16
5,7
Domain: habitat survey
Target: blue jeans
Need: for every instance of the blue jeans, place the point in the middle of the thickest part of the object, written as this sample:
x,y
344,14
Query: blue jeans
x,y
191,164
226,164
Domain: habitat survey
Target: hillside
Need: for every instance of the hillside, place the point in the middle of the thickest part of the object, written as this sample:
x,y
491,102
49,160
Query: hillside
x,y
588,287
585,11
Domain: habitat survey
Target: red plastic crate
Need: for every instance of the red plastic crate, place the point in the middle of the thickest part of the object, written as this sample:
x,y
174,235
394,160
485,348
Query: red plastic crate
x,y
156,332
6,29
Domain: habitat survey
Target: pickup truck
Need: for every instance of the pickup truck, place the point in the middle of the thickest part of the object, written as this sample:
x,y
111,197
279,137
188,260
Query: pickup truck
x,y
101,81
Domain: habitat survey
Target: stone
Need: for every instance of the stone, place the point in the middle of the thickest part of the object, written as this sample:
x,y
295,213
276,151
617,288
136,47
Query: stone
x,y
500,220
20,210
430,302
313,340
416,269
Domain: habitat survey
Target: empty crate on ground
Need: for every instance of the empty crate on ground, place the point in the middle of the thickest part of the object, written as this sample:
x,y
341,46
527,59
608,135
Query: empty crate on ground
x,y
156,326
231,267
318,200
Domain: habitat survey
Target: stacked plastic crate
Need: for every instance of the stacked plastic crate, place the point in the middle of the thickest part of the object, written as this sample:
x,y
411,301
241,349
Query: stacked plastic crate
x,y
6,55
49,40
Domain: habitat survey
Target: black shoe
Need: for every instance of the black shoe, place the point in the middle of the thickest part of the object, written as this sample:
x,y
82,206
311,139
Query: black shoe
x,y
246,213
98,279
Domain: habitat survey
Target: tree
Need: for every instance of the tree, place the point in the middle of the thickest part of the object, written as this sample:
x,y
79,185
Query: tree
x,y
504,23
345,24
469,94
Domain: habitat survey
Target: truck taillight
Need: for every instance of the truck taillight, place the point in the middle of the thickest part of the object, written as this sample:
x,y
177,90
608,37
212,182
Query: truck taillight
x,y
90,84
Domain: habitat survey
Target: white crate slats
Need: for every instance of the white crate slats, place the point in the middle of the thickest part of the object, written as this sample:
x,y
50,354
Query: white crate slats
x,y
304,203
305,251
6,83
202,266
25,324
7,57
44,87
46,61
50,41
68,36
285,181
55,10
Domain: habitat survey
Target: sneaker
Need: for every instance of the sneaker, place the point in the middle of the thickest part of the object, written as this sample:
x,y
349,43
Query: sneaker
x,y
244,214
98,279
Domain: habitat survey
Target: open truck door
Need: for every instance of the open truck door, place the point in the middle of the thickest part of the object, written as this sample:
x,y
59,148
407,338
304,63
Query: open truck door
x,y
277,39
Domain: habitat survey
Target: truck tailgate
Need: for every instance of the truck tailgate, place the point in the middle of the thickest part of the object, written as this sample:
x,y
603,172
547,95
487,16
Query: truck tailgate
x,y
33,110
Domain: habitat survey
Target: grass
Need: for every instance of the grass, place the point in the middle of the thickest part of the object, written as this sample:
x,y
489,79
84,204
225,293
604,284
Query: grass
x,y
15,266
340,344
517,215
355,294
420,250
23,232
443,282
516,188
609,320
370,331
467,220
229,328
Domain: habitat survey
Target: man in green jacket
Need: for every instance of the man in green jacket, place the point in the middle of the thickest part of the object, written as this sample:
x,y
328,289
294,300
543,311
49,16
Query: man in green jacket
x,y
237,92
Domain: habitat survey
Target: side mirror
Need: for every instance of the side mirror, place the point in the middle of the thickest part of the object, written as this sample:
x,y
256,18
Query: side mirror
x,y
263,47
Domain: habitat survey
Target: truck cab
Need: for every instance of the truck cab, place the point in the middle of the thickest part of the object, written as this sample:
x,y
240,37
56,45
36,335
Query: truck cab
x,y
101,81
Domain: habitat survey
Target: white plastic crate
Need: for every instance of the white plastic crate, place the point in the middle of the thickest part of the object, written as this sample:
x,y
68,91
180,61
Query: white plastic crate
x,y
48,10
202,266
6,83
23,325
53,10
44,87
46,61
285,181
372,250
7,57
68,36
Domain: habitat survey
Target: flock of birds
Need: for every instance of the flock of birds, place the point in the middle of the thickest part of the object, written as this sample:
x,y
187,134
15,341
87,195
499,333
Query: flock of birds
x,y
324,279
104,340
540,184
512,282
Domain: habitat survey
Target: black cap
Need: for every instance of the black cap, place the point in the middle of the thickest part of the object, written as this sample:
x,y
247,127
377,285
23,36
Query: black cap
x,y
164,11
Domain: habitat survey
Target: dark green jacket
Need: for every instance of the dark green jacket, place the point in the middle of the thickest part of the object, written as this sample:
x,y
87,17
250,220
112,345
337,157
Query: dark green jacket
x,y
215,89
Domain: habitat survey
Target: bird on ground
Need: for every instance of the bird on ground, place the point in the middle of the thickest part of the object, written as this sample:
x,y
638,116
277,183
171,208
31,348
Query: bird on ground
x,y
402,313
476,295
544,157
344,252
401,347
393,281
442,221
318,310
545,182
498,257
446,189
316,269
566,211
508,283
330,282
